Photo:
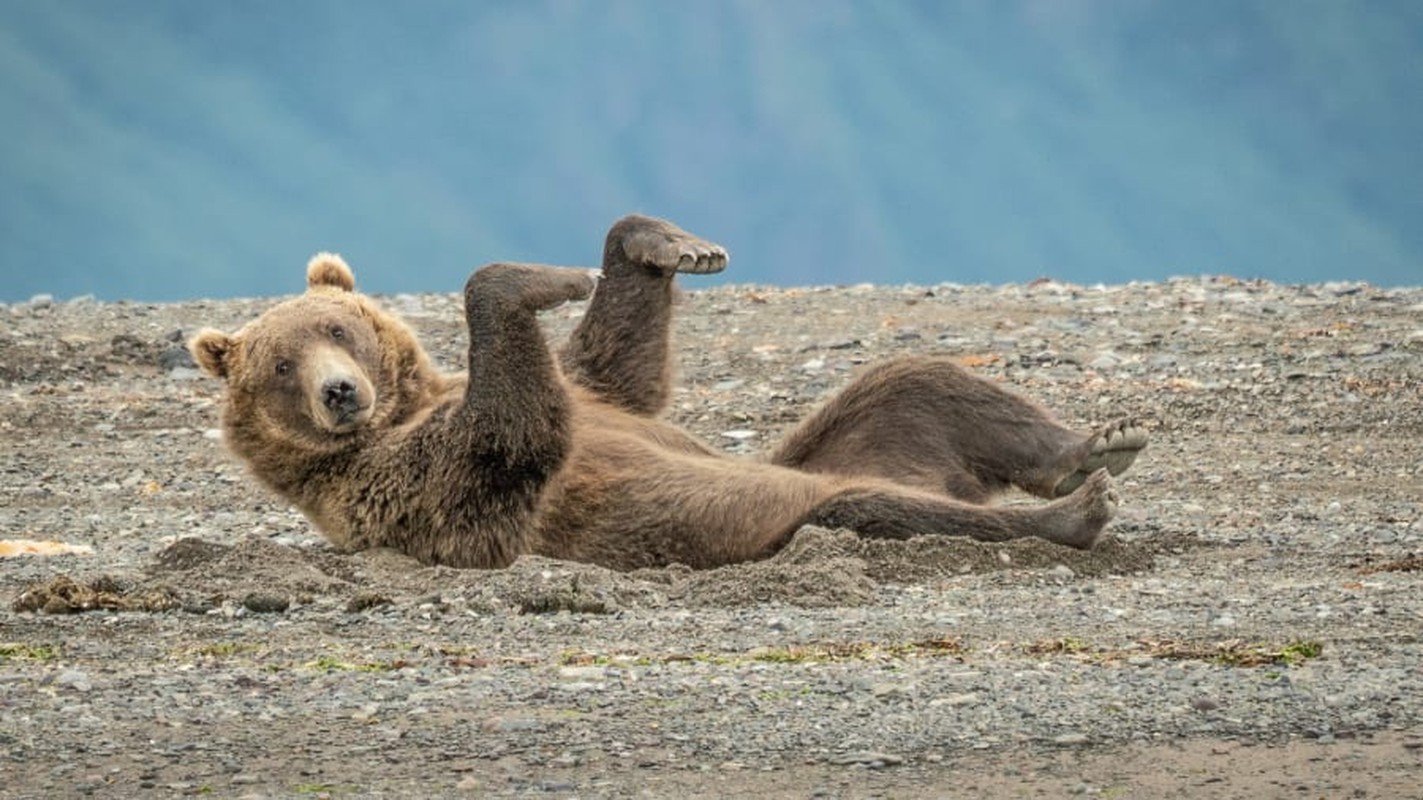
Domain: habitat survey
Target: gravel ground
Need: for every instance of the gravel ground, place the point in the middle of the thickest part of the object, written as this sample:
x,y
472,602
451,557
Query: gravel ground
x,y
1250,628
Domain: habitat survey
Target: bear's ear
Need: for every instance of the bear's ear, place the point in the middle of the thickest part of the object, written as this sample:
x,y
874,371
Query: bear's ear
x,y
329,269
210,348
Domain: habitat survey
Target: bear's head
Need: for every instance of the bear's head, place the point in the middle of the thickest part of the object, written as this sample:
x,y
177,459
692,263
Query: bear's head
x,y
314,372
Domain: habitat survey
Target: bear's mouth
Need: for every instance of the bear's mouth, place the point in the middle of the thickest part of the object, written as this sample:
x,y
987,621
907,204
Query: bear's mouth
x,y
345,418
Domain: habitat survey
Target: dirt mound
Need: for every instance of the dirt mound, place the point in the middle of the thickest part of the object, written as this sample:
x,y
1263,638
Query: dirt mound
x,y
536,585
215,573
818,569
926,559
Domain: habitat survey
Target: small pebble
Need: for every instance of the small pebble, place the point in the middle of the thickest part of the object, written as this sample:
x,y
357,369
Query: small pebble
x,y
74,679
260,603
869,759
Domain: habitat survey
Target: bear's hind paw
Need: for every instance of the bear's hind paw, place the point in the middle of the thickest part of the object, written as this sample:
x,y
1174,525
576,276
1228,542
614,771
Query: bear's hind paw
x,y
660,244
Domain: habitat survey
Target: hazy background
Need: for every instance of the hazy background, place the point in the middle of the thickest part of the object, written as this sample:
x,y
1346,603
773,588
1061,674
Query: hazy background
x,y
159,150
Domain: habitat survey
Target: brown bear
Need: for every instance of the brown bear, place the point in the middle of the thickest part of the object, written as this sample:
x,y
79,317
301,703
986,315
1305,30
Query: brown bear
x,y
333,403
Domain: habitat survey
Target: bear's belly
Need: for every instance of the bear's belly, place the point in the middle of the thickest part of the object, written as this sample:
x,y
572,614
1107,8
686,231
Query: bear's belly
x,y
646,493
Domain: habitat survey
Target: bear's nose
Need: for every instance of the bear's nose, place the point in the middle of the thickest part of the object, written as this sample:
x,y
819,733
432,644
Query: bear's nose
x,y
339,394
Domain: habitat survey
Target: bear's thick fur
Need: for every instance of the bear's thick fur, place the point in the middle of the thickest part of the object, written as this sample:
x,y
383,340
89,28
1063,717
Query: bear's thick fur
x,y
333,403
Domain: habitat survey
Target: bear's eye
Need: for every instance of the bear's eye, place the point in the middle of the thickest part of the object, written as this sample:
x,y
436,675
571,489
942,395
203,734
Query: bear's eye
x,y
284,367
338,332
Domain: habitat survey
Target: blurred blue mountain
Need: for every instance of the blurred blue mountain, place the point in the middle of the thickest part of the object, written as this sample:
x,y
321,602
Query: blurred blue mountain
x,y
166,149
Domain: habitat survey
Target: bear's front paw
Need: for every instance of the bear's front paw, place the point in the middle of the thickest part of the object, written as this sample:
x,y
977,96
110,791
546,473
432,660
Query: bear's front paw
x,y
531,286
553,286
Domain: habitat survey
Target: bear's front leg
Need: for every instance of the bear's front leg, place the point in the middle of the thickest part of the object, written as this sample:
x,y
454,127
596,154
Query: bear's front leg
x,y
516,402
494,456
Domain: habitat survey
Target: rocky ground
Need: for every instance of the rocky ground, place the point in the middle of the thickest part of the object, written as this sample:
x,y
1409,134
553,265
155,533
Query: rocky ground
x,y
1251,628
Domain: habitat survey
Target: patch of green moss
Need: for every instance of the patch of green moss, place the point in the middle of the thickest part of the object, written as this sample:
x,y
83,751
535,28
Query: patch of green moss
x,y
19,651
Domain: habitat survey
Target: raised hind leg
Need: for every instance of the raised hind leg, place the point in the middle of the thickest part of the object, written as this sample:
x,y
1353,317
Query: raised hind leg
x,y
620,350
928,423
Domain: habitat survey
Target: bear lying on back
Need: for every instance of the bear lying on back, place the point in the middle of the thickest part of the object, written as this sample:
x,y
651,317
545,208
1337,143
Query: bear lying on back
x,y
333,403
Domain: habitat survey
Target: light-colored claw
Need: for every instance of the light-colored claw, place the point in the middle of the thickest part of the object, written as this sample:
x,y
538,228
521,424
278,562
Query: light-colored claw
x,y
676,252
1114,448
704,263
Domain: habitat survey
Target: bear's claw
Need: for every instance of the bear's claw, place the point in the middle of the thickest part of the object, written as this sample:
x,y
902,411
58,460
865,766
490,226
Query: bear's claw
x,y
660,244
1114,447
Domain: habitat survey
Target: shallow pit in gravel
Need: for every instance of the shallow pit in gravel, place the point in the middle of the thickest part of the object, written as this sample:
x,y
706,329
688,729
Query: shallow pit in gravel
x,y
819,568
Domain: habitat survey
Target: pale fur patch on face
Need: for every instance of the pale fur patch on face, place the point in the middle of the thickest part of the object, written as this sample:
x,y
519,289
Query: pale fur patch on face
x,y
324,366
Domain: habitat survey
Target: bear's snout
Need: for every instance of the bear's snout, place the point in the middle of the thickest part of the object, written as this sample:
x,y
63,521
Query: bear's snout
x,y
341,396
344,401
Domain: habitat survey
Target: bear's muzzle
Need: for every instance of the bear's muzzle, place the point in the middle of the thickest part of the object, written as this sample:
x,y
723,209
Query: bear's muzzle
x,y
339,394
341,398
